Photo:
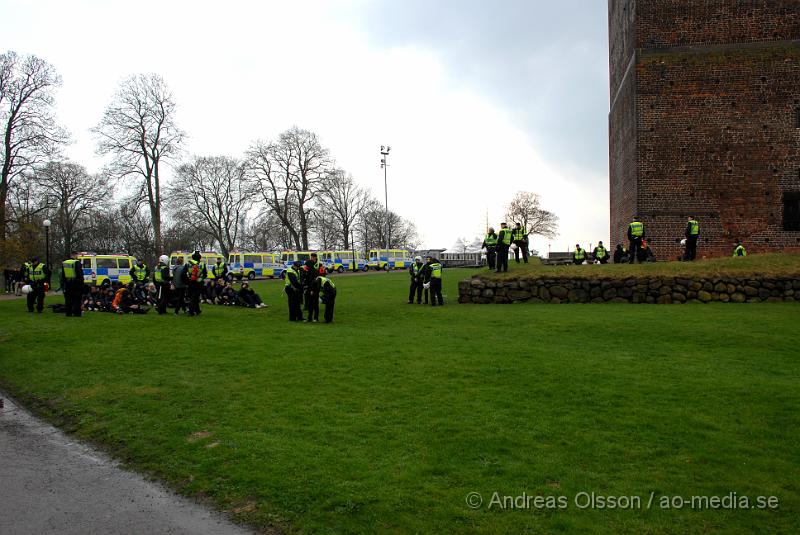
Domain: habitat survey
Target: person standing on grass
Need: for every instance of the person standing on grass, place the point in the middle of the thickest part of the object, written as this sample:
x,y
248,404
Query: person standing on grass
x,y
426,279
179,284
436,282
294,291
692,233
520,237
740,250
195,273
72,277
162,279
416,281
36,275
504,238
311,270
326,290
635,237
578,255
490,244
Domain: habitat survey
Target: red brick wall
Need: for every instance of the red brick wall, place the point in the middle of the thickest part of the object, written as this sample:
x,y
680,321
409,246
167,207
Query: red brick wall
x,y
715,125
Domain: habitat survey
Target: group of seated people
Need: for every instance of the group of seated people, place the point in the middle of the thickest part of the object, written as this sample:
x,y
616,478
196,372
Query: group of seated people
x,y
221,292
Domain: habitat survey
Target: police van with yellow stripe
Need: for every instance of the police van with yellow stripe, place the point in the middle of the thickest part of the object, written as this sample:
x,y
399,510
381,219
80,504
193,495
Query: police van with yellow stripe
x,y
340,261
209,258
249,265
103,269
387,259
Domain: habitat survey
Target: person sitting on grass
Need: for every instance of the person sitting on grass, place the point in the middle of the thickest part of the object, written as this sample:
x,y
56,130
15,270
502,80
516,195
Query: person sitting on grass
x,y
209,292
249,298
578,255
152,294
228,296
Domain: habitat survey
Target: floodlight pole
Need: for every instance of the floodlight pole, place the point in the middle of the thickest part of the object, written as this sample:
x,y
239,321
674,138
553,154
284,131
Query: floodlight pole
x,y
384,163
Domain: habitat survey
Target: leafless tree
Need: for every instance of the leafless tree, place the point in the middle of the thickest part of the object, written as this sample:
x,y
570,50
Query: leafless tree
x,y
525,207
139,131
291,173
218,191
30,133
372,226
72,196
267,233
343,200
326,229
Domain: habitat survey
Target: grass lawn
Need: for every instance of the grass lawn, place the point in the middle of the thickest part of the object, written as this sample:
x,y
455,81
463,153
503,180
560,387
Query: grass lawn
x,y
387,419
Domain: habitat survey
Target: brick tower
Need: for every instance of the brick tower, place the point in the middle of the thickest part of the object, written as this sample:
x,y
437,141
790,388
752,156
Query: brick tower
x,y
705,121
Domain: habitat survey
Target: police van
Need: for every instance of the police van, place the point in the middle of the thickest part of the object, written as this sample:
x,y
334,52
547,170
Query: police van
x,y
249,265
340,261
289,257
209,258
103,269
387,259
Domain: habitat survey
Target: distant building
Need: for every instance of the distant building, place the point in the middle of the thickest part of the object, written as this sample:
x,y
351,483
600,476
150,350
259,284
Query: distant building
x,y
705,121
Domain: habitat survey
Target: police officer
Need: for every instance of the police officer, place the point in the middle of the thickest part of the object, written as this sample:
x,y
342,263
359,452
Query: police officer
x,y
692,233
416,280
490,244
139,272
436,282
294,291
578,255
220,270
520,237
504,238
740,250
327,292
601,253
635,237
36,275
179,285
195,273
162,279
426,278
311,270
72,275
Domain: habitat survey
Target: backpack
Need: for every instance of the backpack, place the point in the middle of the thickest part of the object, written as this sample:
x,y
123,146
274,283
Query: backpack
x,y
195,272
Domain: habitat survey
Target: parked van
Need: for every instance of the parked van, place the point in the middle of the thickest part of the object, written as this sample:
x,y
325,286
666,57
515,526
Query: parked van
x,y
387,259
340,261
289,257
249,265
103,269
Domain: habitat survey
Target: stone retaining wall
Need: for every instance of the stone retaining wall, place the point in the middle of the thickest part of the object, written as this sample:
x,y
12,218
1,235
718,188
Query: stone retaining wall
x,y
661,290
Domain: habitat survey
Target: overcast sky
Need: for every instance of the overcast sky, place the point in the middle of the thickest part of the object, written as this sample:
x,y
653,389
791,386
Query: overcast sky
x,y
477,99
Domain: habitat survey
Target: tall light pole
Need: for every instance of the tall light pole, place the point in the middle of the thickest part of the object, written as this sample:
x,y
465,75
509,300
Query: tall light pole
x,y
46,223
384,164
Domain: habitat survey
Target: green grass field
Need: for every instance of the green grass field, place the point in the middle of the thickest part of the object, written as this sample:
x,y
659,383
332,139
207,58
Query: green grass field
x,y
386,420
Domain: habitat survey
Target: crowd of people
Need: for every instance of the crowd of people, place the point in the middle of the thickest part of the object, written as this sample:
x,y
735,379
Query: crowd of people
x,y
426,280
306,285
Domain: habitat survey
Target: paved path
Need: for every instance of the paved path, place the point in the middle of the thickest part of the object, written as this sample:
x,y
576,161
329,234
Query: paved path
x,y
50,484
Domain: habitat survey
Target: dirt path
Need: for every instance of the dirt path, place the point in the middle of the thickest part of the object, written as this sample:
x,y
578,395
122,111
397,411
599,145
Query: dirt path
x,y
50,484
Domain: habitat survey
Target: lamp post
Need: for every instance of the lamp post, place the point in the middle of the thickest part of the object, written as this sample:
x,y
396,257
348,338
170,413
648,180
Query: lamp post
x,y
46,223
384,164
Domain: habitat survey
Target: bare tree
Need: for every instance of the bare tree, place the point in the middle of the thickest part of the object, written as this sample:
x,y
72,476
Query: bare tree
x,y
138,130
267,233
343,199
326,229
219,191
30,133
372,226
71,196
525,207
291,173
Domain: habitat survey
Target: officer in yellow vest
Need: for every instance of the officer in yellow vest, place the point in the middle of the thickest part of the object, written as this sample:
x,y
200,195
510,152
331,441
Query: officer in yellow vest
x,y
692,235
436,282
139,272
294,291
326,289
520,237
490,244
740,250
311,270
635,237
220,271
601,253
36,275
416,281
504,238
578,255
72,275
162,279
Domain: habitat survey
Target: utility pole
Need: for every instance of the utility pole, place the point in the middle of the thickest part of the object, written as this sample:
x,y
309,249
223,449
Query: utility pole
x,y
384,164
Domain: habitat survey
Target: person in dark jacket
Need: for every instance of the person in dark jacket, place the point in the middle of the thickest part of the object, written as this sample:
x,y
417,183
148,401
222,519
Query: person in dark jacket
x,y
415,271
326,290
294,291
426,279
692,233
600,253
504,238
620,254
195,273
311,270
578,255
249,298
490,244
36,275
72,277
635,237
163,281
179,285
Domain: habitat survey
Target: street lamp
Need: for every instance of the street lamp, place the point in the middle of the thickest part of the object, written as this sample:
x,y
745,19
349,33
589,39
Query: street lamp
x,y
47,224
384,164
